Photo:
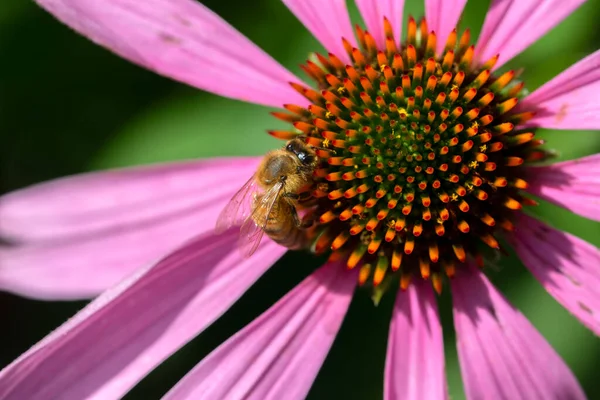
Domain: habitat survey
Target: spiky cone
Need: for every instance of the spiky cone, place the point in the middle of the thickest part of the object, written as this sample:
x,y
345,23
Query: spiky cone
x,y
419,155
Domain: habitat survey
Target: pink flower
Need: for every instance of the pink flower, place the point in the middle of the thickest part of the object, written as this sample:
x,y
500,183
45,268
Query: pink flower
x,y
77,236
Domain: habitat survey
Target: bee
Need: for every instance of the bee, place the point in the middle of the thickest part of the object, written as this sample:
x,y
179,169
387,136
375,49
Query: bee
x,y
268,201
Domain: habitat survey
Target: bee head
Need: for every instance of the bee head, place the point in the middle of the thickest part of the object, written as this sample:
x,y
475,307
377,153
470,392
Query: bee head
x,y
301,151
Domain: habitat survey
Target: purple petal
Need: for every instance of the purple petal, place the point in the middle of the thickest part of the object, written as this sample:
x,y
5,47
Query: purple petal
x,y
279,354
574,185
116,340
414,367
565,265
570,100
501,354
373,12
328,21
442,17
183,40
78,236
510,26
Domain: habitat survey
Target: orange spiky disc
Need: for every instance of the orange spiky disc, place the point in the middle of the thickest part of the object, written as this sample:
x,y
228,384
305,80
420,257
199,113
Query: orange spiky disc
x,y
419,154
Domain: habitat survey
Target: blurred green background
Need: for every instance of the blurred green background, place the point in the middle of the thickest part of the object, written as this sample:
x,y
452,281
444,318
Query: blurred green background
x,y
68,106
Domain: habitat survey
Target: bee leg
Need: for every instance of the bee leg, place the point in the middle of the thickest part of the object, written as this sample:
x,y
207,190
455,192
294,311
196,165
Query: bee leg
x,y
297,220
303,169
306,200
302,223
304,196
307,223
291,195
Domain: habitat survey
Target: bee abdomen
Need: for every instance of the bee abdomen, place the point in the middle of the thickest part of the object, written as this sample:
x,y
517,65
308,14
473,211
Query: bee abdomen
x,y
288,235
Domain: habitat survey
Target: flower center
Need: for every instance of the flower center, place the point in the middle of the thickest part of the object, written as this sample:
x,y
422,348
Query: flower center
x,y
420,162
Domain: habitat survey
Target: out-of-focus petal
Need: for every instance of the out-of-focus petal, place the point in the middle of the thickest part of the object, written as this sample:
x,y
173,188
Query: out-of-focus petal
x,y
116,340
442,17
510,26
567,267
183,40
502,356
574,185
328,21
78,236
570,100
414,365
279,354
373,12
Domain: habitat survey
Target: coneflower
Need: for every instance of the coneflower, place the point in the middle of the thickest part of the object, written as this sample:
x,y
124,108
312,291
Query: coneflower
x,y
427,157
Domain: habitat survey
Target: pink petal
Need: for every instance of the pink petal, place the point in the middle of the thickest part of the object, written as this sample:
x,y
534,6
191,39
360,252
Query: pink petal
x,y
279,354
574,185
373,12
78,236
512,25
83,205
414,367
501,354
328,21
183,40
442,17
571,99
116,340
566,266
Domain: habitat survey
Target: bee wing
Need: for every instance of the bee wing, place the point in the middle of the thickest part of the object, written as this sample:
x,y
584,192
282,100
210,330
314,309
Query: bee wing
x,y
252,229
239,207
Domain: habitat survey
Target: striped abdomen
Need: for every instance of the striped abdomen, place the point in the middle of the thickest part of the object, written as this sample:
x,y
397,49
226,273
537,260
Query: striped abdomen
x,y
281,228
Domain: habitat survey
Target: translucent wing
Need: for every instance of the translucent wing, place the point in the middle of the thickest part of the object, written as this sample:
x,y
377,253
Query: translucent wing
x,y
252,229
239,207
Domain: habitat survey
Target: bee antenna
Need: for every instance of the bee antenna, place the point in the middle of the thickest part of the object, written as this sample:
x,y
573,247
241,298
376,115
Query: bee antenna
x,y
304,137
332,151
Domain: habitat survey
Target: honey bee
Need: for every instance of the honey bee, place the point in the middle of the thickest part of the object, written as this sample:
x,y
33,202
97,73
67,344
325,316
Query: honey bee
x,y
267,202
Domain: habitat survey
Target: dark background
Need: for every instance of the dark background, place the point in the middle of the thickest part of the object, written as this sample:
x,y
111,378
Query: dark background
x,y
68,106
